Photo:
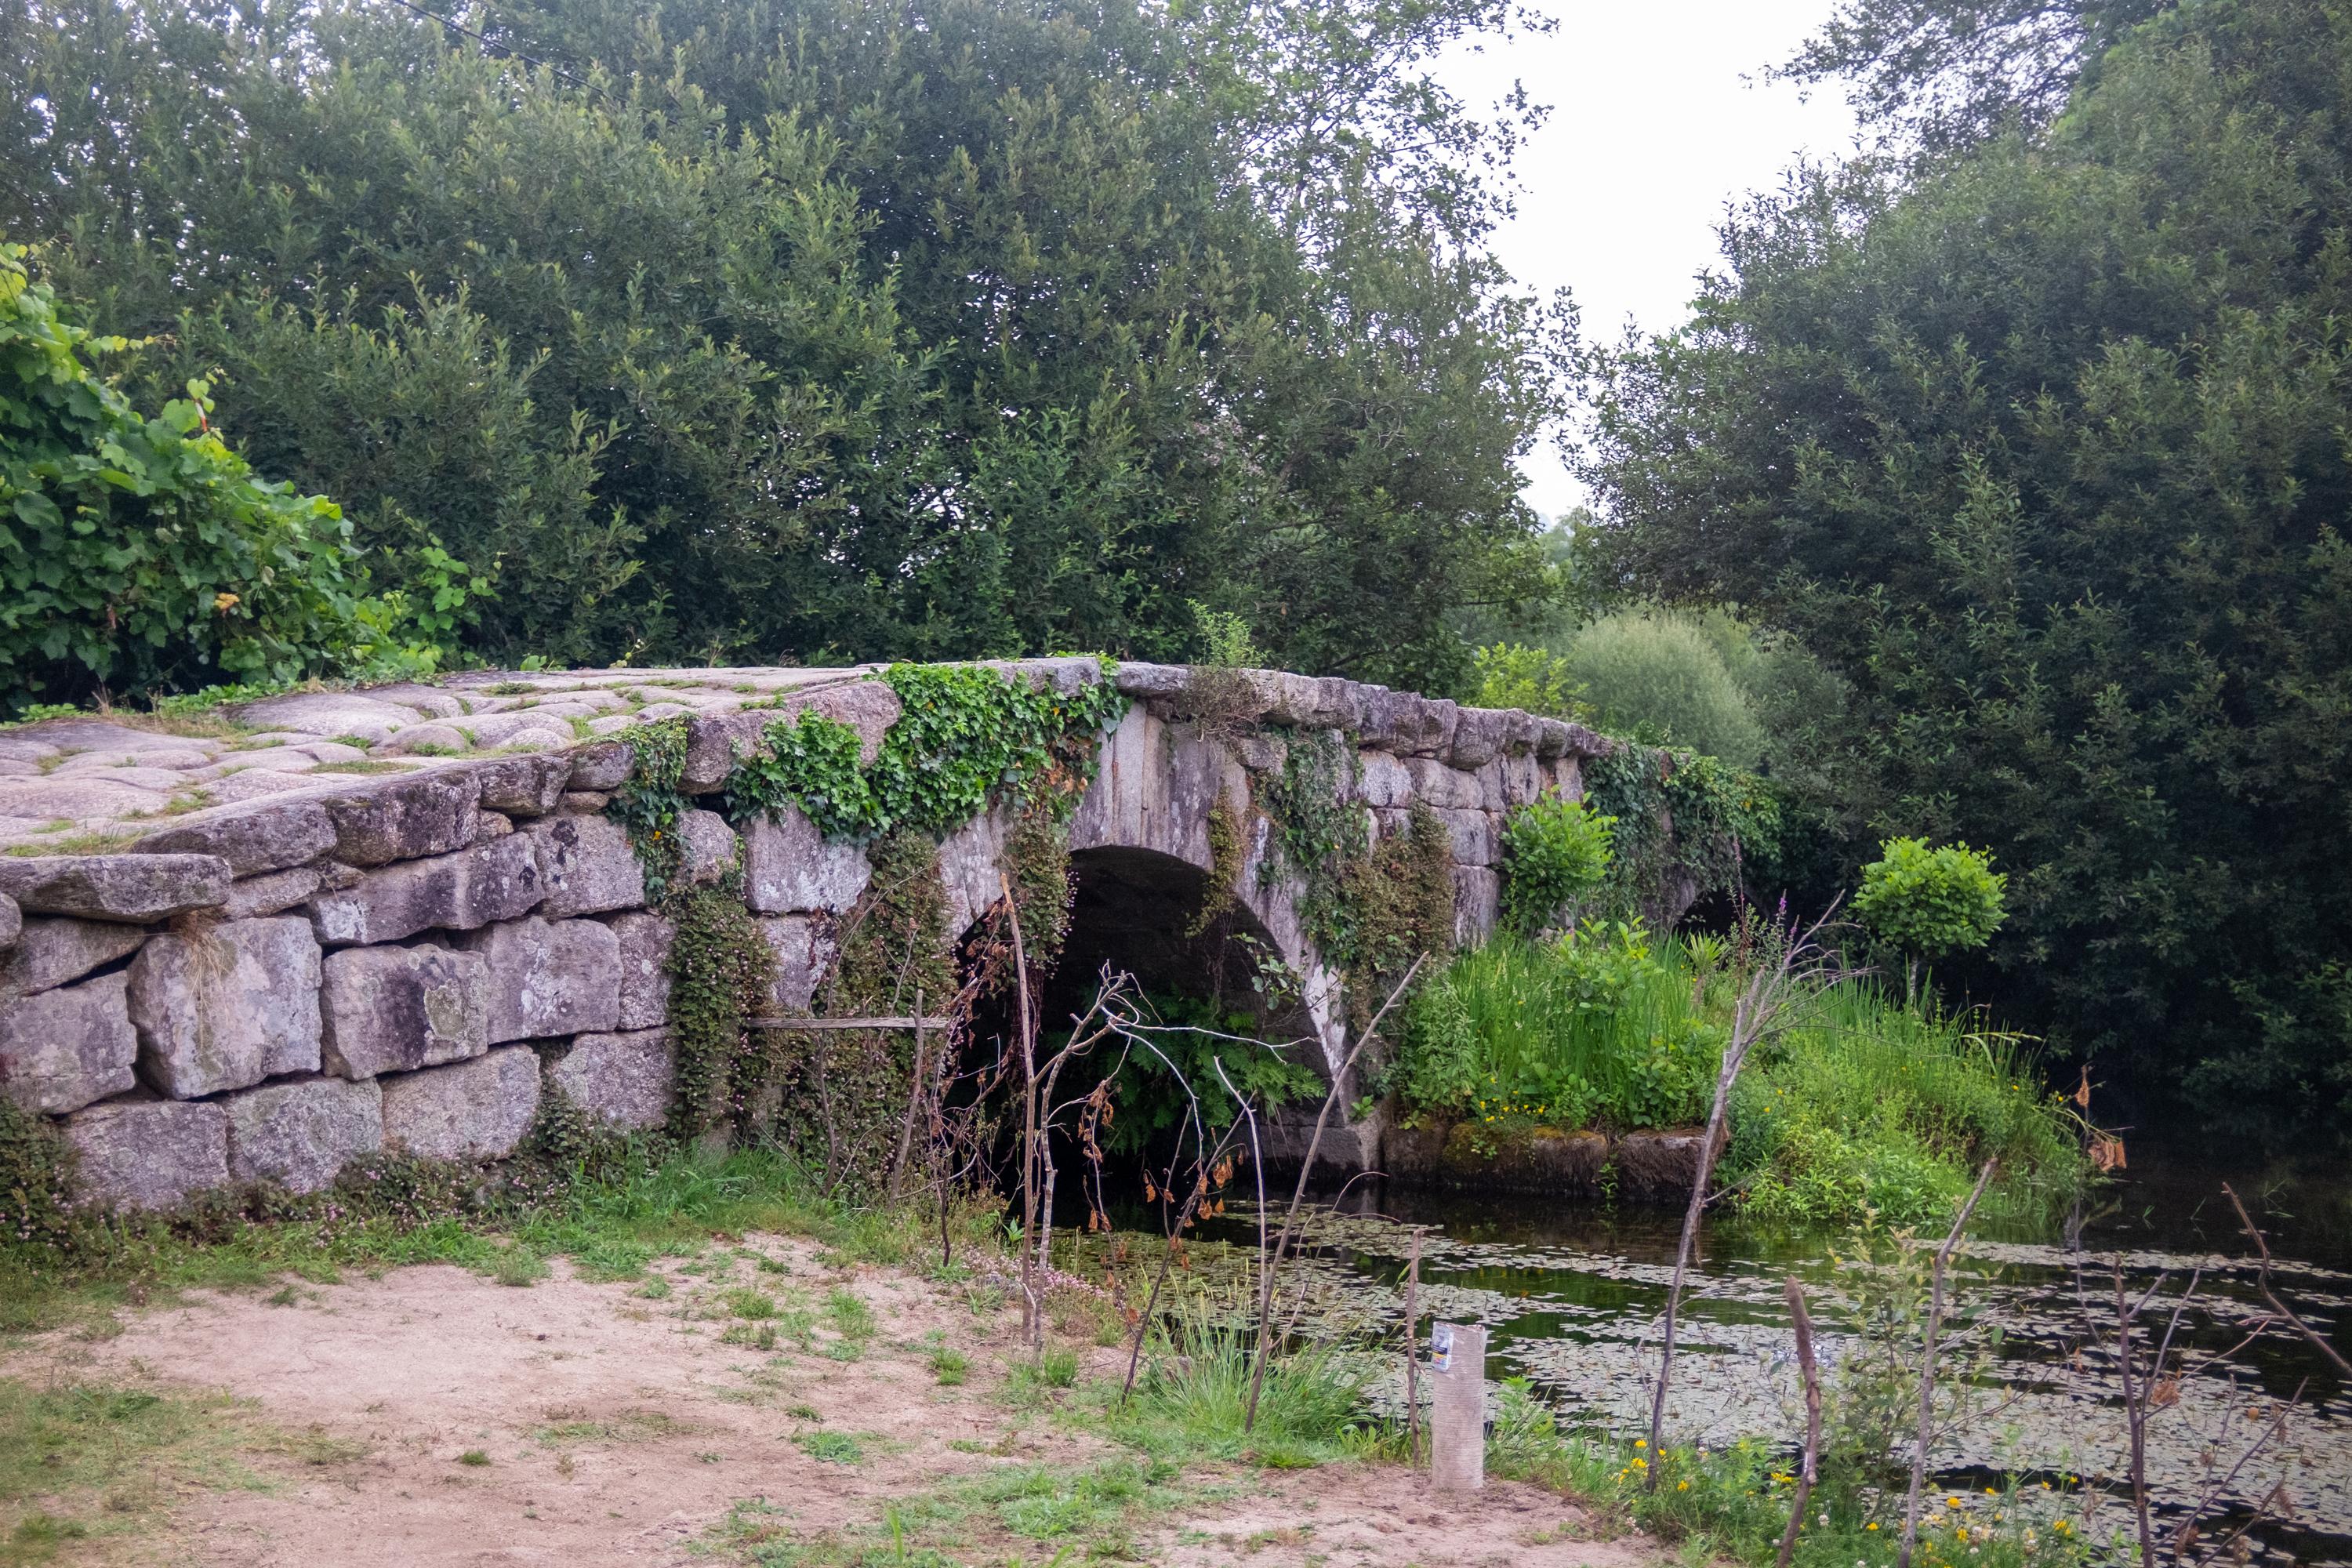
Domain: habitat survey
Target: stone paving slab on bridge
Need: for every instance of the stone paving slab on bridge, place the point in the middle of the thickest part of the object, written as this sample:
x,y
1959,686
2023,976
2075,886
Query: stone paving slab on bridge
x,y
208,922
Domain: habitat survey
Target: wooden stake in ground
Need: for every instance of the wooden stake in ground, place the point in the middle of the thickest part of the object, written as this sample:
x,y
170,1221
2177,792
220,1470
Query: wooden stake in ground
x,y
1927,1366
1810,1471
1412,1348
1457,1407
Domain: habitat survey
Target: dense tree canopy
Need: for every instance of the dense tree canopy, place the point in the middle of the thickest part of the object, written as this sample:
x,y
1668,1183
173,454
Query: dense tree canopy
x,y
2041,445
819,330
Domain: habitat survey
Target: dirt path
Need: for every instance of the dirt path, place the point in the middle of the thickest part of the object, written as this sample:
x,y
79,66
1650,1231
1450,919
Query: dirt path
x,y
449,1420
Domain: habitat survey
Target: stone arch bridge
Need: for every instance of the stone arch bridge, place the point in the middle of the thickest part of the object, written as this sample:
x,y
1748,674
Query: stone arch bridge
x,y
258,945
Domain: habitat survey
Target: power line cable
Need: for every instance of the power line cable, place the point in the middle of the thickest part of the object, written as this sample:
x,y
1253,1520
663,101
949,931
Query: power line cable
x,y
489,43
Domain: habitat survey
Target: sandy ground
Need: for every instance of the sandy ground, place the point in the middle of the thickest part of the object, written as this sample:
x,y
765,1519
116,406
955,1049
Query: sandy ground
x,y
620,1429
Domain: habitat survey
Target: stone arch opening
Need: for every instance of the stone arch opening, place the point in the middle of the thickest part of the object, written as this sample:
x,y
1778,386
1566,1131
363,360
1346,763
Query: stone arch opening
x,y
1133,911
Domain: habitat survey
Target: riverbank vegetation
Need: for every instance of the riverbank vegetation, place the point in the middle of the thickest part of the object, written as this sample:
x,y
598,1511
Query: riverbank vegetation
x,y
1860,1104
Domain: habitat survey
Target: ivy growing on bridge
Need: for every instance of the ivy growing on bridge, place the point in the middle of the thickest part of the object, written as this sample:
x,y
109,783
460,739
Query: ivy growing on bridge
x,y
1370,906
649,801
966,736
1679,814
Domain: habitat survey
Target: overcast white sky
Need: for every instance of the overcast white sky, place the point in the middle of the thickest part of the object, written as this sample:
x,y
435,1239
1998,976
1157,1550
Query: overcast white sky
x,y
1652,130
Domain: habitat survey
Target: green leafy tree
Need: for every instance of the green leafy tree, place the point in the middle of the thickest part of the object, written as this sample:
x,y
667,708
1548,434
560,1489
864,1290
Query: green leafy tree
x,y
1659,676
1513,675
1556,855
1928,902
823,330
2038,446
140,552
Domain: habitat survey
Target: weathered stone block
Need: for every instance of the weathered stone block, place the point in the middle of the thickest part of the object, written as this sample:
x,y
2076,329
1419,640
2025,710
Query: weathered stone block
x,y
299,1134
226,1007
586,865
1436,784
474,1110
494,882
1479,736
622,1079
148,1154
602,766
708,847
524,785
1384,781
645,940
789,867
1522,778
252,839
971,867
550,977
583,802
12,920
51,951
1473,837
425,814
713,743
269,894
1151,680
63,1049
328,713
394,1009
1477,904
134,888
489,824
805,952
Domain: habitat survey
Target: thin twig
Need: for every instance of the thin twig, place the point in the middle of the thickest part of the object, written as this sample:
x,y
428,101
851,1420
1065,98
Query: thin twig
x,y
1412,1348
2263,1282
1811,1372
1299,1193
1928,1366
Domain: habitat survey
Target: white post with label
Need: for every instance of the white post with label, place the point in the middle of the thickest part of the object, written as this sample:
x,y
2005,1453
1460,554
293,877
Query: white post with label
x,y
1457,1407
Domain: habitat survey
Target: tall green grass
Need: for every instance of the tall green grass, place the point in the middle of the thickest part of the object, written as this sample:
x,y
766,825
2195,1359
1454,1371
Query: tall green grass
x,y
1865,1104
1193,1397
1859,1104
1597,1028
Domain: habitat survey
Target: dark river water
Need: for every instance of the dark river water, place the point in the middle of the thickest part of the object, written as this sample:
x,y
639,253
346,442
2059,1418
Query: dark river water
x,y
1573,1293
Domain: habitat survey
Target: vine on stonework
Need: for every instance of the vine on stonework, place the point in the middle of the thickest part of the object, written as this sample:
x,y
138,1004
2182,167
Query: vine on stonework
x,y
966,737
721,972
1370,907
649,801
1320,828
841,1095
1225,847
1679,814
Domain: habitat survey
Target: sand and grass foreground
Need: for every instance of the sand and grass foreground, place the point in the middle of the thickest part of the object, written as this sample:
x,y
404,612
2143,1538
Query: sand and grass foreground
x,y
758,1399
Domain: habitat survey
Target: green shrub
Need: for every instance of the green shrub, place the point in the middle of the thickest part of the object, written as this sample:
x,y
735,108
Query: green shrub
x,y
1595,1026
1928,902
142,554
1556,855
1660,676
1511,675
1867,1104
